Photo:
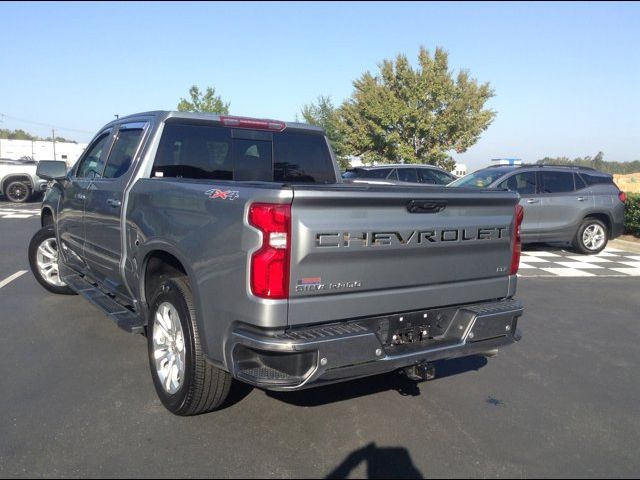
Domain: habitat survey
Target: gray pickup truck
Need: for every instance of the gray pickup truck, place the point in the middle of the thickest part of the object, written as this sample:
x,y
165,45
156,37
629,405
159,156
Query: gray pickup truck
x,y
234,246
18,180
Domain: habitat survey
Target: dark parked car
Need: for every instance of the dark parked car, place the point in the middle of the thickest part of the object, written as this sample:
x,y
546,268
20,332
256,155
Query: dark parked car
x,y
399,174
573,204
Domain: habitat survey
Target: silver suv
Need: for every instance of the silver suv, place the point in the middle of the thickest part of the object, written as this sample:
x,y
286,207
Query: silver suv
x,y
562,204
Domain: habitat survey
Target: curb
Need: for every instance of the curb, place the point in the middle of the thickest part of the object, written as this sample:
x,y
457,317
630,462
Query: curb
x,y
625,245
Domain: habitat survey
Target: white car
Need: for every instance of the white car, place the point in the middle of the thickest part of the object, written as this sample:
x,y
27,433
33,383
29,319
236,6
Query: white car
x,y
18,179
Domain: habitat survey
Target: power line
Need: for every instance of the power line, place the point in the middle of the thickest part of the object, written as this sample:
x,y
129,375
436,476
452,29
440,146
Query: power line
x,y
45,124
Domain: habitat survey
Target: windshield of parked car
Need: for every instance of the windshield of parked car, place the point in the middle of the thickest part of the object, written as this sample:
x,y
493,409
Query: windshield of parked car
x,y
431,175
480,179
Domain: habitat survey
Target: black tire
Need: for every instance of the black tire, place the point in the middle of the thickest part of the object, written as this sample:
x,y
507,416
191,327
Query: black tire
x,y
17,191
579,240
42,235
203,388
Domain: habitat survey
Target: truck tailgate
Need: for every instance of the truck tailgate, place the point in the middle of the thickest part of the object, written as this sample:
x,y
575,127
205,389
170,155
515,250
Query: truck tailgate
x,y
362,251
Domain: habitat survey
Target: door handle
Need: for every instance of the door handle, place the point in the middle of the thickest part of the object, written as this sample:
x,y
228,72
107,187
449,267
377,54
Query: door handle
x,y
114,202
581,199
532,200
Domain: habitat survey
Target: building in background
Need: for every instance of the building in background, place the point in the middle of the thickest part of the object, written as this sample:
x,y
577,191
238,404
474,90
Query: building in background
x,y
41,150
460,170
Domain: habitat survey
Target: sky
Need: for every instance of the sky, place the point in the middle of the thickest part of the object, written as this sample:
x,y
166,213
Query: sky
x,y
566,75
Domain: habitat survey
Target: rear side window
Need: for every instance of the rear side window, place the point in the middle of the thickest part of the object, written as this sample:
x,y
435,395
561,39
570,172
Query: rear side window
x,y
122,153
407,175
591,179
194,151
523,183
580,183
302,158
556,182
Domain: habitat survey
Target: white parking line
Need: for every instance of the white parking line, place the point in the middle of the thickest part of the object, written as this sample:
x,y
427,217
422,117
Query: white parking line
x,y
10,279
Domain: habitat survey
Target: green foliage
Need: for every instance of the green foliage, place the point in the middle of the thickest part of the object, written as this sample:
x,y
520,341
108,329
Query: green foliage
x,y
17,135
203,102
632,214
60,139
22,135
597,162
324,114
415,115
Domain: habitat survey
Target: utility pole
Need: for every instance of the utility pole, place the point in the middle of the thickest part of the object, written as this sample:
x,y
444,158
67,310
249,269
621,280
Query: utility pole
x,y
53,132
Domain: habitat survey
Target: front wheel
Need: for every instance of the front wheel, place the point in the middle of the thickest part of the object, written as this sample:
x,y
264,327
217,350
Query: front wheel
x,y
43,260
592,237
18,191
185,382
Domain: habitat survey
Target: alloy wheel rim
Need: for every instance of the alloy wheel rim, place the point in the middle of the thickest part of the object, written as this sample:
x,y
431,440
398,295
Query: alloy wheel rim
x,y
17,192
168,348
593,237
47,261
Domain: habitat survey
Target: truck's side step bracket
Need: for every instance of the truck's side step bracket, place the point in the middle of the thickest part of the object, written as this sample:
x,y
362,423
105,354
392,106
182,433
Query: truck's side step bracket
x,y
123,317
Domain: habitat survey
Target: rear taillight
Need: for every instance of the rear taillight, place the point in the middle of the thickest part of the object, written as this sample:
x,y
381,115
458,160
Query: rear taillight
x,y
254,123
622,196
270,264
517,241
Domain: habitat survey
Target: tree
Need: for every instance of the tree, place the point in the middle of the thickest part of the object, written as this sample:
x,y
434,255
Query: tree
x,y
415,115
22,135
324,114
598,162
207,102
60,139
18,134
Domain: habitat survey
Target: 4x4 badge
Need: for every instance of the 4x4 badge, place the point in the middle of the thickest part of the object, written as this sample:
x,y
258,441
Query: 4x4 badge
x,y
222,194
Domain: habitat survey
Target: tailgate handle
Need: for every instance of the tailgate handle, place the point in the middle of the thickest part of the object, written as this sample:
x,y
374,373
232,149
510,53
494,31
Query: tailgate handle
x,y
425,206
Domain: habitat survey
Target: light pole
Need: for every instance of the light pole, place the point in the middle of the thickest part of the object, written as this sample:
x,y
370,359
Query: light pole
x,y
53,132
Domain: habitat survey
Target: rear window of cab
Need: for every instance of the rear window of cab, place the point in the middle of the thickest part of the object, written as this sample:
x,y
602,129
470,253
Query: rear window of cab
x,y
211,152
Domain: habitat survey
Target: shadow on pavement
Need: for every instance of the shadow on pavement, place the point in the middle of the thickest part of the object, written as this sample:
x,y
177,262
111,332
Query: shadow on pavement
x,y
239,391
448,368
376,384
36,199
548,247
381,463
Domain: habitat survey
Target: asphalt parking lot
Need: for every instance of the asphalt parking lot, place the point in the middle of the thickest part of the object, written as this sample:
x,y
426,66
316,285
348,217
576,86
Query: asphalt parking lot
x,y
77,398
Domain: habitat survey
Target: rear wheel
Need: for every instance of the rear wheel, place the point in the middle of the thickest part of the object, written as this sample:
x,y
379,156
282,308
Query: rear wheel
x,y
185,382
17,191
43,260
592,237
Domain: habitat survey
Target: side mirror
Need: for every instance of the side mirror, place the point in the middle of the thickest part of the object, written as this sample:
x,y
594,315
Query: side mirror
x,y
52,170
